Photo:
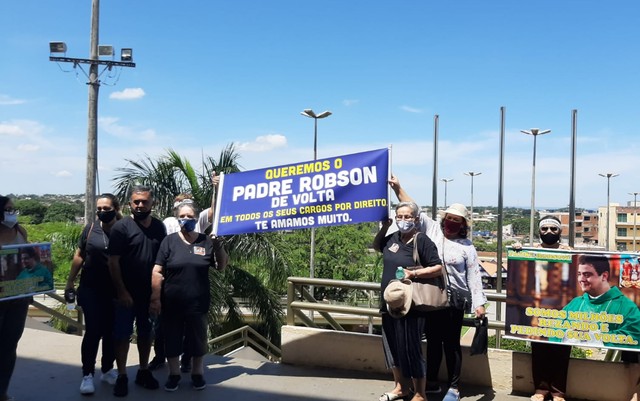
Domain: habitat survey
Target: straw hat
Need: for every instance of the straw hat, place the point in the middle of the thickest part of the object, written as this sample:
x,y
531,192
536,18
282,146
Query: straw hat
x,y
398,296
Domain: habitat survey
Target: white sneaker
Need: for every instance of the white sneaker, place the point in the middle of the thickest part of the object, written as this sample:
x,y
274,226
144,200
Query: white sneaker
x,y
87,387
109,377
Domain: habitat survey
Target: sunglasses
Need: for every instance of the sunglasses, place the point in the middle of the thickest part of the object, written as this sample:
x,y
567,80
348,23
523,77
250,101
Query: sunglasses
x,y
552,229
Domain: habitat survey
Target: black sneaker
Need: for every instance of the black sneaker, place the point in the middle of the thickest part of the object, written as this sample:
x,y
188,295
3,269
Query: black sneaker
x,y
145,379
172,383
156,363
121,388
198,382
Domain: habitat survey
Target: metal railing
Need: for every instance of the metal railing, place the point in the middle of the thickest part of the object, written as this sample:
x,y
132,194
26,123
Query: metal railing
x,y
243,337
77,323
299,300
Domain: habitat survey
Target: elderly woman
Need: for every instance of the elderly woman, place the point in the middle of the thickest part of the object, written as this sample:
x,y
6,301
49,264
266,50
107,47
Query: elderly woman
x,y
402,330
461,261
180,293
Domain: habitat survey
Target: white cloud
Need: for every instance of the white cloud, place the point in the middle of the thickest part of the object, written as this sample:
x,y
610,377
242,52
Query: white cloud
x,y
63,173
350,102
110,126
263,143
11,129
6,100
28,147
128,94
410,109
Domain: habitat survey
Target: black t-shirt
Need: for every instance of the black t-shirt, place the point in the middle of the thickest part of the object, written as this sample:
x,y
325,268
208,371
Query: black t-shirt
x,y
396,253
185,288
137,247
93,244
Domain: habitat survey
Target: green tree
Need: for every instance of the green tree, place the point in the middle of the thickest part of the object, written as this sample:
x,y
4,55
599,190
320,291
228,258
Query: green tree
x,y
32,209
172,174
341,253
62,212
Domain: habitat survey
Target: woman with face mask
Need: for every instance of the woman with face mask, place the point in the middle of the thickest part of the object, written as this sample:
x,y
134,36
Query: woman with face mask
x,y
95,292
13,312
460,258
402,328
180,293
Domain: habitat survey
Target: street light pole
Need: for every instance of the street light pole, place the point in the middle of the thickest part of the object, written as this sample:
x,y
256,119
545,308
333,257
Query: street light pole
x,y
534,132
312,251
608,176
635,215
94,85
472,174
446,181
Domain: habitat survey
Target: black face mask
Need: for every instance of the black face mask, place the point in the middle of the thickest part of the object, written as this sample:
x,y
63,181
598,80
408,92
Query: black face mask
x,y
139,216
106,216
550,238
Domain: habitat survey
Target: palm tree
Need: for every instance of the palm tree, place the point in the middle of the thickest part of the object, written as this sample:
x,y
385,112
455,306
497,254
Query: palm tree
x,y
170,175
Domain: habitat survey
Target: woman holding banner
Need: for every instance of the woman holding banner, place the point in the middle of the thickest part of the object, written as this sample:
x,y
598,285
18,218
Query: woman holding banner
x,y
13,312
460,258
402,327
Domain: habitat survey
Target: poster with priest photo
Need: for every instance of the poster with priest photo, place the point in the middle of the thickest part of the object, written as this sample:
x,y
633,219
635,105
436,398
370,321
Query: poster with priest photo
x,y
25,270
579,298
339,190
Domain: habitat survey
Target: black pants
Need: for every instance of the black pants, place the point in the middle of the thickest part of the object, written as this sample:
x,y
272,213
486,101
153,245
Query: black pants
x,y
442,330
98,315
549,365
402,343
159,345
13,315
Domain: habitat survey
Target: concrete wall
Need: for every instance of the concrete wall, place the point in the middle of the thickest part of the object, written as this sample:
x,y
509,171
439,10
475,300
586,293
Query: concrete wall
x,y
499,369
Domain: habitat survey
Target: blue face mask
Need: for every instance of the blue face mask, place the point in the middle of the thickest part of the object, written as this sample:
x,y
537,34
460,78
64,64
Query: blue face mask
x,y
405,225
187,225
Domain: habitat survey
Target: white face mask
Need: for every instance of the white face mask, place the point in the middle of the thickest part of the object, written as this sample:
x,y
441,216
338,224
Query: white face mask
x,y
10,219
405,225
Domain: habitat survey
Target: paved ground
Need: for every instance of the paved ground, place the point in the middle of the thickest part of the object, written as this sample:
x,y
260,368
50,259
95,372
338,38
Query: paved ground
x,y
48,368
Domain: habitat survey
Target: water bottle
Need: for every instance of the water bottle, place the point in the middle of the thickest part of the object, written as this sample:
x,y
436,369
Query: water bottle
x,y
70,298
399,273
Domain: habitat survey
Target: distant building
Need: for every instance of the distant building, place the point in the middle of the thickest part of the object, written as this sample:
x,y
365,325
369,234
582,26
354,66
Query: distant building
x,y
586,226
623,221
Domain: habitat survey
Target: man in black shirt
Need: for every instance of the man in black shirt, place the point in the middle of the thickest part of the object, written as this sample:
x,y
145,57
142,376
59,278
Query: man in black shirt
x,y
133,245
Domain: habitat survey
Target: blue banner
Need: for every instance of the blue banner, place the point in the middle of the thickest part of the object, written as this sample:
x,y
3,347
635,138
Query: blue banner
x,y
327,192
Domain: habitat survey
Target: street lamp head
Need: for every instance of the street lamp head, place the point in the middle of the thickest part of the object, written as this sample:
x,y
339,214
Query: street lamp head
x,y
472,173
608,175
57,47
446,179
310,113
535,131
126,54
105,50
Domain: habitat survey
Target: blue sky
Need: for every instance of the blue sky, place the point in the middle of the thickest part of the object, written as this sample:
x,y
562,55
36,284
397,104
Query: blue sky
x,y
210,73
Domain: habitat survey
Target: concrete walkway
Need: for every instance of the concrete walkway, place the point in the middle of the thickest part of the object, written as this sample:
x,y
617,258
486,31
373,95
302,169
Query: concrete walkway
x,y
48,368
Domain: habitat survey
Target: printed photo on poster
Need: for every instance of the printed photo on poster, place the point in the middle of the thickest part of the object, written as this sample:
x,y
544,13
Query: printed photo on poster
x,y
573,297
25,270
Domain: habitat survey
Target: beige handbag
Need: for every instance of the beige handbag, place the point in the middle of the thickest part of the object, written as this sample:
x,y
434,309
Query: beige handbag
x,y
431,293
